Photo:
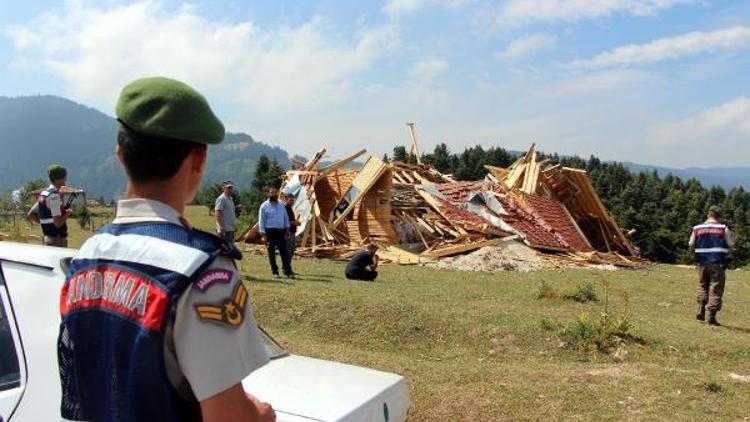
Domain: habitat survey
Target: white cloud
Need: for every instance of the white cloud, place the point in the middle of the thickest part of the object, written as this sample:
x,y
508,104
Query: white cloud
x,y
423,79
428,68
526,46
592,84
97,50
516,13
404,7
727,122
689,44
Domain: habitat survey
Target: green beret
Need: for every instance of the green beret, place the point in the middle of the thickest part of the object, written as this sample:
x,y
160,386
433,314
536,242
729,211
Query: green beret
x,y
167,108
715,209
56,171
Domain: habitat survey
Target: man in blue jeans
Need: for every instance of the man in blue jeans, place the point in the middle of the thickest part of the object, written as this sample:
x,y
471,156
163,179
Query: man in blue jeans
x,y
273,223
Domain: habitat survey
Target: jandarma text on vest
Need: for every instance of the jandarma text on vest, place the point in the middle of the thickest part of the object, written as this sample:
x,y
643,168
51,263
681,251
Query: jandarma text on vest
x,y
128,294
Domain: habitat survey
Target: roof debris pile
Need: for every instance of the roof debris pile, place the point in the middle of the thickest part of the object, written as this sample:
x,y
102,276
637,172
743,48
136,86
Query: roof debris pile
x,y
418,214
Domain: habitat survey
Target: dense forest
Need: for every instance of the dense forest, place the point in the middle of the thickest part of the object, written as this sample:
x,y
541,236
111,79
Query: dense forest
x,y
662,210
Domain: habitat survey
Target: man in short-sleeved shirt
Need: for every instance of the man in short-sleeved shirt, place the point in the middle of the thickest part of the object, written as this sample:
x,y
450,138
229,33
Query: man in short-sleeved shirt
x,y
226,220
363,264
156,324
50,212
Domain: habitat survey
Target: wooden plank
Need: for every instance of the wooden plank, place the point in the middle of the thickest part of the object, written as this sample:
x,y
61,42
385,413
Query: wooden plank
x,y
424,224
399,178
338,164
316,159
515,175
408,177
314,236
363,181
463,247
445,228
305,236
575,224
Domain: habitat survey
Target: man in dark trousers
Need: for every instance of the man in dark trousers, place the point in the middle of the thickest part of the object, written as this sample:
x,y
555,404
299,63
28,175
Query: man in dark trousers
x,y
711,241
50,211
291,237
363,264
273,223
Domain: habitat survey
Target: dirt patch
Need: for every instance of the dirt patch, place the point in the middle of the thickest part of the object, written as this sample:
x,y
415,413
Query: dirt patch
x,y
508,256
738,377
615,372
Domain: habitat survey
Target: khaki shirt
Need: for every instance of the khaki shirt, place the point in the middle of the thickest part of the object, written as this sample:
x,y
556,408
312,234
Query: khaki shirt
x,y
203,354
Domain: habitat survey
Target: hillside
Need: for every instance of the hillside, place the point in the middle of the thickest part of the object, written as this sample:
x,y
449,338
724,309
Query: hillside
x,y
726,177
36,131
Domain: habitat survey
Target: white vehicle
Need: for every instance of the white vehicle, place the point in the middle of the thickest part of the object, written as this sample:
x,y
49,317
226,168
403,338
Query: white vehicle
x,y
299,388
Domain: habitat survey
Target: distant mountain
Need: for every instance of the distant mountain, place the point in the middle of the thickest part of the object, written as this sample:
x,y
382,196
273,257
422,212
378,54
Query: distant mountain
x,y
726,177
40,130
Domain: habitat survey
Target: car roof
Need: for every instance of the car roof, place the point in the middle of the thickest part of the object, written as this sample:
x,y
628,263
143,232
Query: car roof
x,y
44,256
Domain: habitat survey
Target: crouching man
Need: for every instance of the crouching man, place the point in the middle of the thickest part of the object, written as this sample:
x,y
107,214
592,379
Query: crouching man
x,y
363,265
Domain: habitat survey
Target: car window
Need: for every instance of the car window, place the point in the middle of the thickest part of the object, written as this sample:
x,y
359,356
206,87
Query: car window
x,y
10,375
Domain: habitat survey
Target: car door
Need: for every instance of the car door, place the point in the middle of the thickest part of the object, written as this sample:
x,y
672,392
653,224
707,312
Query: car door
x,y
12,364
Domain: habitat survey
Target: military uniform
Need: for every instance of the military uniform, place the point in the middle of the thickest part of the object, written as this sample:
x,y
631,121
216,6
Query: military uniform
x,y
712,241
154,316
49,205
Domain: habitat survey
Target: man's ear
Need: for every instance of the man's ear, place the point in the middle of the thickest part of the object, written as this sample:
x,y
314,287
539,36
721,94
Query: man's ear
x,y
198,159
118,154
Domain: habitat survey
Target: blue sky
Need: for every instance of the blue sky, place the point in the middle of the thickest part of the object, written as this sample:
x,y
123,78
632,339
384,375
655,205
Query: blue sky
x,y
652,81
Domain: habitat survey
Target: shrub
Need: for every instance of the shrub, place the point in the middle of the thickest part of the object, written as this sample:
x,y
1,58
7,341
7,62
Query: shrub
x,y
82,215
588,335
712,386
545,291
549,325
585,293
604,334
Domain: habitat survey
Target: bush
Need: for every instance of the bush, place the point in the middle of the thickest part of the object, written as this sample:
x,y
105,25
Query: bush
x,y
605,334
547,324
586,293
82,215
545,291
587,335
712,386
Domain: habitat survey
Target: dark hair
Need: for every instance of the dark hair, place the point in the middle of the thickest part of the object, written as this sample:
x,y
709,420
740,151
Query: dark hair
x,y
271,187
151,159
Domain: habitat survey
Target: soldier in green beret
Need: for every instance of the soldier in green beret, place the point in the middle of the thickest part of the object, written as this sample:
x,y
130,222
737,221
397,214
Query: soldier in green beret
x,y
49,210
156,324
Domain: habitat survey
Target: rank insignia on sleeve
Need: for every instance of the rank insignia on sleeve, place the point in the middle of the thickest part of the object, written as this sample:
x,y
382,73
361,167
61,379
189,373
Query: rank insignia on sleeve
x,y
230,312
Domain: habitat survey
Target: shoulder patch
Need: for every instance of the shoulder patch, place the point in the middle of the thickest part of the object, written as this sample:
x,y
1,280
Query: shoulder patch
x,y
230,312
209,278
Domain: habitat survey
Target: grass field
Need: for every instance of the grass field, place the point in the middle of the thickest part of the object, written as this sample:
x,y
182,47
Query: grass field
x,y
482,347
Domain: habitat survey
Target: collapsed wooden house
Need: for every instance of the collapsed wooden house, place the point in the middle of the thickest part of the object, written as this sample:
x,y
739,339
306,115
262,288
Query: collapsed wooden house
x,y
417,213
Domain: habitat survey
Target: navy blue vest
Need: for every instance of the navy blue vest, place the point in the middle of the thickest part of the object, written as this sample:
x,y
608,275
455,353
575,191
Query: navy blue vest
x,y
46,219
117,300
711,245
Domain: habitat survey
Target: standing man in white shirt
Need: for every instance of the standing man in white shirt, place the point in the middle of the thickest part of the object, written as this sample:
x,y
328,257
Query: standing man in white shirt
x,y
226,219
273,223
